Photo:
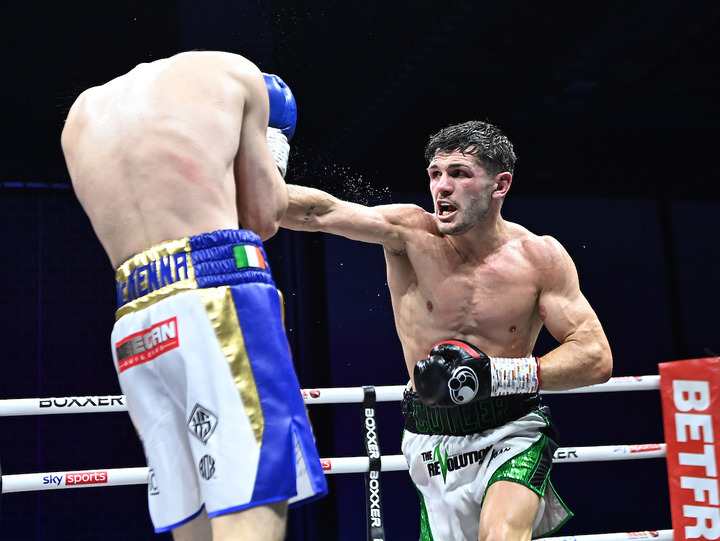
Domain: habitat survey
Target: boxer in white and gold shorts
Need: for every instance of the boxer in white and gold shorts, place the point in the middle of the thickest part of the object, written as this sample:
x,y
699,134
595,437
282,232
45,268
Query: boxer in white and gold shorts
x,y
203,360
456,453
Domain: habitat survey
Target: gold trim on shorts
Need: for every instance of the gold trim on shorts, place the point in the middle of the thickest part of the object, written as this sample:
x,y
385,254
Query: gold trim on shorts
x,y
221,311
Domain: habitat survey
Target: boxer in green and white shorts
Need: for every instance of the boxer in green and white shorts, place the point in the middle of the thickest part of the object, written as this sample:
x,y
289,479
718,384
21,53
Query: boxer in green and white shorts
x,y
456,453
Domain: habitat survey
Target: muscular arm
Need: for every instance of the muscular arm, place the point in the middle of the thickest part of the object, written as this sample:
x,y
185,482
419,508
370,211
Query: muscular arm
x,y
583,356
314,210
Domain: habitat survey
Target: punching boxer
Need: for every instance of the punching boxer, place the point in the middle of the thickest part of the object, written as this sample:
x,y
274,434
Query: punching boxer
x,y
168,161
470,293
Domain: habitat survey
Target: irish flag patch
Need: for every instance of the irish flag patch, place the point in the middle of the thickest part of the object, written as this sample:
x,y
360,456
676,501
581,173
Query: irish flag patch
x,y
248,256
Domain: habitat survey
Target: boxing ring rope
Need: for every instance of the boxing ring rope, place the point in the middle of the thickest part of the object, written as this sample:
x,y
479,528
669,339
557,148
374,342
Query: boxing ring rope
x,y
340,465
29,482
338,395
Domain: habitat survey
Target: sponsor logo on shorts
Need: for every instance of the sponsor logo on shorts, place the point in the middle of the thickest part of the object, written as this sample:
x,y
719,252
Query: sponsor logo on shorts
x,y
146,345
153,488
439,462
207,467
202,423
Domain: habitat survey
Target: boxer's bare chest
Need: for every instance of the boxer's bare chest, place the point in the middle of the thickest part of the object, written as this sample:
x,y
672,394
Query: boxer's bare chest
x,y
490,301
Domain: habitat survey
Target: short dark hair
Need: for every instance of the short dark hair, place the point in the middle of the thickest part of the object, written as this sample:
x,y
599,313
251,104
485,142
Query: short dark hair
x,y
491,148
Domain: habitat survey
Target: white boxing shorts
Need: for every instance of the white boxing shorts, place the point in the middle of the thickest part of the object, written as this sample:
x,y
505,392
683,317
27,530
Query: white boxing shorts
x,y
203,359
455,454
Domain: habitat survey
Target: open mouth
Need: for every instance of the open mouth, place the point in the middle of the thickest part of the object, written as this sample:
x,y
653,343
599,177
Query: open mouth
x,y
445,208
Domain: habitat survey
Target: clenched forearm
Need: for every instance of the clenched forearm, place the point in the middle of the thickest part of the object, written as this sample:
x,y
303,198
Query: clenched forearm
x,y
576,364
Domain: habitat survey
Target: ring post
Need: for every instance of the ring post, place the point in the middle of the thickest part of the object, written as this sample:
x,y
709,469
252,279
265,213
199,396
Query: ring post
x,y
375,523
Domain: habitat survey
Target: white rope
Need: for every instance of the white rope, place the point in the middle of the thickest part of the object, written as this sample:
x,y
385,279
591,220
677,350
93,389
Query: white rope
x,y
338,395
656,535
135,476
361,464
348,395
27,482
600,453
342,395
623,383
69,404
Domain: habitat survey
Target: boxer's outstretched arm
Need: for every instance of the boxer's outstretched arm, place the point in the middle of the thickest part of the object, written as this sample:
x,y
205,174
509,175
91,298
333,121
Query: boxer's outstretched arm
x,y
314,210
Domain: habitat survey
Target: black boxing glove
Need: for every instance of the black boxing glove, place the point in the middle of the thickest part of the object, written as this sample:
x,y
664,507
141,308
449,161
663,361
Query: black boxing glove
x,y
456,373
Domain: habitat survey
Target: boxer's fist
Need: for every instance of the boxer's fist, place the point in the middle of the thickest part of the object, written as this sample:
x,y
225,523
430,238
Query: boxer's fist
x,y
283,117
454,373
283,109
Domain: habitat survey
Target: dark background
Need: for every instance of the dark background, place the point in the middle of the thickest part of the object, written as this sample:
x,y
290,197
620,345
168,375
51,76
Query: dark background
x,y
613,110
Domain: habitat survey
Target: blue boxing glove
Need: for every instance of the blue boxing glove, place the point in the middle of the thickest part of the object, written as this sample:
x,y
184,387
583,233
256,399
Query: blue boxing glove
x,y
456,373
283,109
282,121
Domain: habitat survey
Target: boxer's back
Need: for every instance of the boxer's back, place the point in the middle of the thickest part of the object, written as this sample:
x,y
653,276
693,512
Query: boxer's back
x,y
151,154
